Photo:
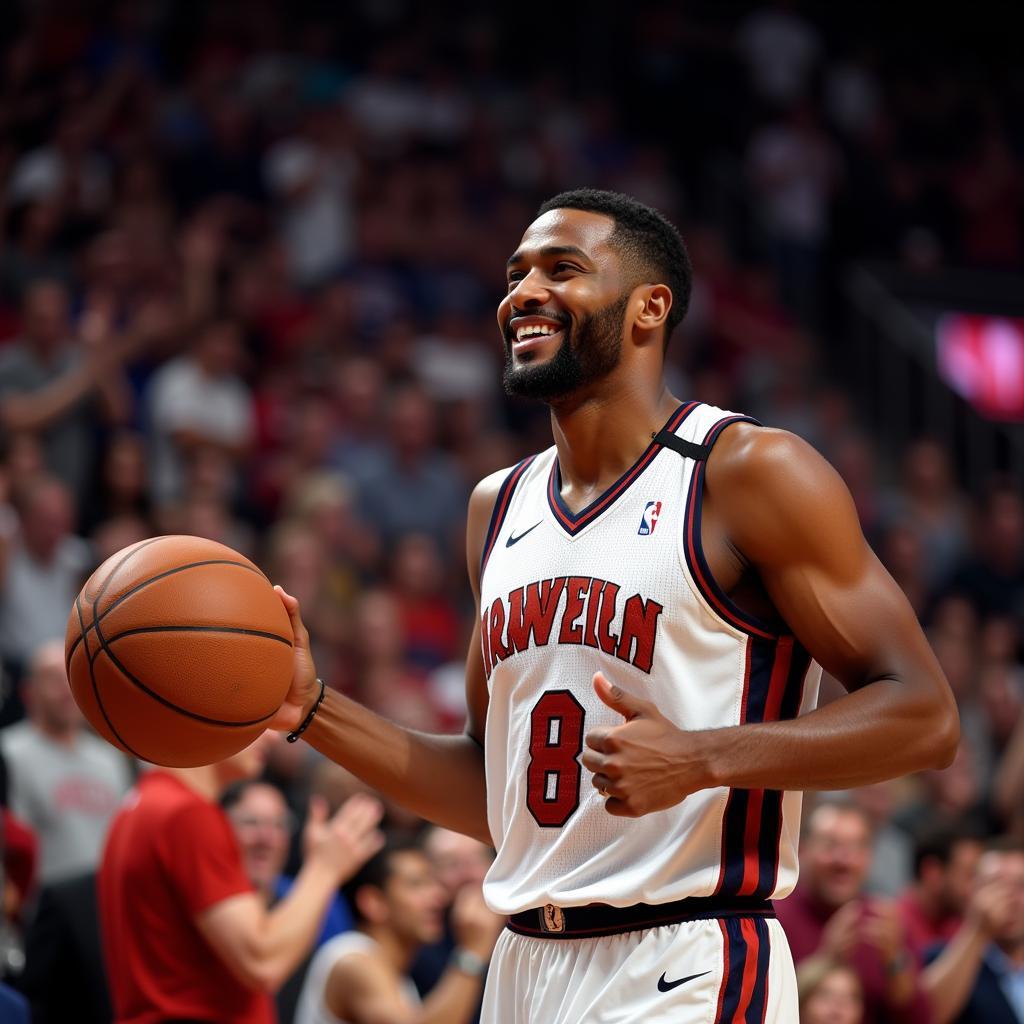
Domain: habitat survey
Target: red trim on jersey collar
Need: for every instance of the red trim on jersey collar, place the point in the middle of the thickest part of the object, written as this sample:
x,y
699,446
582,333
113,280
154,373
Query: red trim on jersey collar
x,y
573,522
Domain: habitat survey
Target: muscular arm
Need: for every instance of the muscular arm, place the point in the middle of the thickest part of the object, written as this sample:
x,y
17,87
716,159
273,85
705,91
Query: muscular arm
x,y
787,514
787,511
439,778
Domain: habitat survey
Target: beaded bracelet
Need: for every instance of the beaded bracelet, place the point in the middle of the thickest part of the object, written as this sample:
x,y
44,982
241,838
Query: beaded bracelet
x,y
293,736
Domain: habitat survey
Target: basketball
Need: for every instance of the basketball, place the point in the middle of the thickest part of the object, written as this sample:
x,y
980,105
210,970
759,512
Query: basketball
x,y
178,651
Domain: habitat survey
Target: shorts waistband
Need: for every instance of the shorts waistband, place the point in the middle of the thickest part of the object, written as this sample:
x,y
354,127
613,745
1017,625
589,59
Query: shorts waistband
x,y
597,919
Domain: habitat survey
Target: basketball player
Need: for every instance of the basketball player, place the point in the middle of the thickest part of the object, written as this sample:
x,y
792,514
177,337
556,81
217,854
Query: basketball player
x,y
656,593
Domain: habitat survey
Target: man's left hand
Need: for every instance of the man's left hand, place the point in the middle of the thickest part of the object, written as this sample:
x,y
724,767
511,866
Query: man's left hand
x,y
647,763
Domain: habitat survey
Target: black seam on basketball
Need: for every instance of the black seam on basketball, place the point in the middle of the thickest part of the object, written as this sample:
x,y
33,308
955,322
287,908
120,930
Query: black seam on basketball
x,y
145,583
106,583
95,688
113,572
201,629
163,700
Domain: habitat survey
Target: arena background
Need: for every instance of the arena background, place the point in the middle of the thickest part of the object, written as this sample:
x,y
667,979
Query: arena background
x,y
308,206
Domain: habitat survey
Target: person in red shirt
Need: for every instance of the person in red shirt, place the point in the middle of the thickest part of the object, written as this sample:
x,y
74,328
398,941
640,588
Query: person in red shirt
x,y
932,908
185,937
828,915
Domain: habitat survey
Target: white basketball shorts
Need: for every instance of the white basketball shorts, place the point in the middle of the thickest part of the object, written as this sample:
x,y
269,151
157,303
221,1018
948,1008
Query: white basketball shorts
x,y
733,970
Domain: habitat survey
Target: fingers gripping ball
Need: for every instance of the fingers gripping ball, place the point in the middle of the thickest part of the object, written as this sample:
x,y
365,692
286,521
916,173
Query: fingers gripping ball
x,y
179,651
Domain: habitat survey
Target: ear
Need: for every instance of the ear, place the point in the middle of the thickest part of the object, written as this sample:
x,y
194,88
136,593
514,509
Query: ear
x,y
371,904
652,302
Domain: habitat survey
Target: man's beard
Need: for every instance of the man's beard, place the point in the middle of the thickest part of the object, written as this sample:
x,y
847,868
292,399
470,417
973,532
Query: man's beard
x,y
586,355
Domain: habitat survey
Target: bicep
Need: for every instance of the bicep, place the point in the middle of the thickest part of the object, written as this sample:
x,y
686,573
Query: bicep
x,y
800,531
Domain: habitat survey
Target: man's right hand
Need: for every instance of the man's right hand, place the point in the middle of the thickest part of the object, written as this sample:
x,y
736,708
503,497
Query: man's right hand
x,y
475,925
346,841
305,689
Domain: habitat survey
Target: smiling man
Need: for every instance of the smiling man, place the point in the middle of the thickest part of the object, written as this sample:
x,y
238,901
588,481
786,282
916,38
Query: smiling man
x,y
656,594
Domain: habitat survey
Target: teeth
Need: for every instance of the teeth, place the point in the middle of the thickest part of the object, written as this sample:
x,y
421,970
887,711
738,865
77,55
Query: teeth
x,y
535,330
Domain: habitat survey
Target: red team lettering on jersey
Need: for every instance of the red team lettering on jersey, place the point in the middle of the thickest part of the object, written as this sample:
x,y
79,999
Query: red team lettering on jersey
x,y
588,615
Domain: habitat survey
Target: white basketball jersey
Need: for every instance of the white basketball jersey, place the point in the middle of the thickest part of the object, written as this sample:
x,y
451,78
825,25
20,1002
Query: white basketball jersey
x,y
623,586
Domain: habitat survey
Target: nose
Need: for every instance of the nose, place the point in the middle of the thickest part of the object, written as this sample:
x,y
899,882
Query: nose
x,y
529,291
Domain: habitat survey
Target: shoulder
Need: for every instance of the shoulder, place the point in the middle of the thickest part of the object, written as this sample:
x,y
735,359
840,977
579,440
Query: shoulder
x,y
746,451
777,495
18,739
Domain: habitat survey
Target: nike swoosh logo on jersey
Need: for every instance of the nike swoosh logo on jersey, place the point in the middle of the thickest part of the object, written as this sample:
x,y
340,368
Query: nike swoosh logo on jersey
x,y
667,986
515,540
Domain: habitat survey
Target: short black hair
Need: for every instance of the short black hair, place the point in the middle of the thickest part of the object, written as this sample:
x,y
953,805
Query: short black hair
x,y
938,844
378,869
651,244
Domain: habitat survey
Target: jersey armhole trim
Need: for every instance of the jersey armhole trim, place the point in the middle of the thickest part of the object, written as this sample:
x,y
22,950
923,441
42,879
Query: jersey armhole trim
x,y
693,549
501,504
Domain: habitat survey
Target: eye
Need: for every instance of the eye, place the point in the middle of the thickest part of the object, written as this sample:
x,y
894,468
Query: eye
x,y
514,277
562,267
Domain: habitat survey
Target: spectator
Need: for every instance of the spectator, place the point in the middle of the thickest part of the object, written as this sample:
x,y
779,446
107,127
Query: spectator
x,y
794,170
263,826
827,915
312,174
928,504
184,934
978,978
932,908
780,49
43,567
459,862
362,977
413,488
830,992
64,782
198,401
63,941
993,576
48,381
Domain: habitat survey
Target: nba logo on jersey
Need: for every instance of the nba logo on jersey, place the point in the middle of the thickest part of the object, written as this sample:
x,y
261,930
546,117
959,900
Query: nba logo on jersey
x,y
649,520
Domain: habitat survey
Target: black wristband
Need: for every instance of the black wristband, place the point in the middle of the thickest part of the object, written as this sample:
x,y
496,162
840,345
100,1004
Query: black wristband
x,y
293,736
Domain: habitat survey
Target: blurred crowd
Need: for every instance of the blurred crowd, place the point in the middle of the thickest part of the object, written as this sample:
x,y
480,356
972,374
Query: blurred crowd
x,y
249,259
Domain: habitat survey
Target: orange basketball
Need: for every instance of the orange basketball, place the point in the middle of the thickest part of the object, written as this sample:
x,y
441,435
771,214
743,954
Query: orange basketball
x,y
179,651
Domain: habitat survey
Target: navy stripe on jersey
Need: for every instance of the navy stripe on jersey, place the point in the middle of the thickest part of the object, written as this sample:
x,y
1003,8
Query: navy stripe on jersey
x,y
746,949
752,824
573,522
700,571
501,503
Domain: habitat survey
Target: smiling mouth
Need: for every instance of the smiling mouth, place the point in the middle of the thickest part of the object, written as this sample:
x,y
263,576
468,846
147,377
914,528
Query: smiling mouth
x,y
529,337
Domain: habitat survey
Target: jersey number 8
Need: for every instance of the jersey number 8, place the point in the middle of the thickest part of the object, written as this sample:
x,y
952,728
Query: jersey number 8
x,y
556,742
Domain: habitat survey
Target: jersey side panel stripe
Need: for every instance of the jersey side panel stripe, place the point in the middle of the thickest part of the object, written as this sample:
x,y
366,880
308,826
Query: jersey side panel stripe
x,y
770,832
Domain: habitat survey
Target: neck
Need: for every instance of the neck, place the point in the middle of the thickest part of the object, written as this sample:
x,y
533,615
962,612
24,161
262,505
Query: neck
x,y
63,735
928,903
600,436
399,954
205,780
1014,950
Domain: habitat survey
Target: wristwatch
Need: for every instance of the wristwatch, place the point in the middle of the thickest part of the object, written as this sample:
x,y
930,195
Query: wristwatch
x,y
468,962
